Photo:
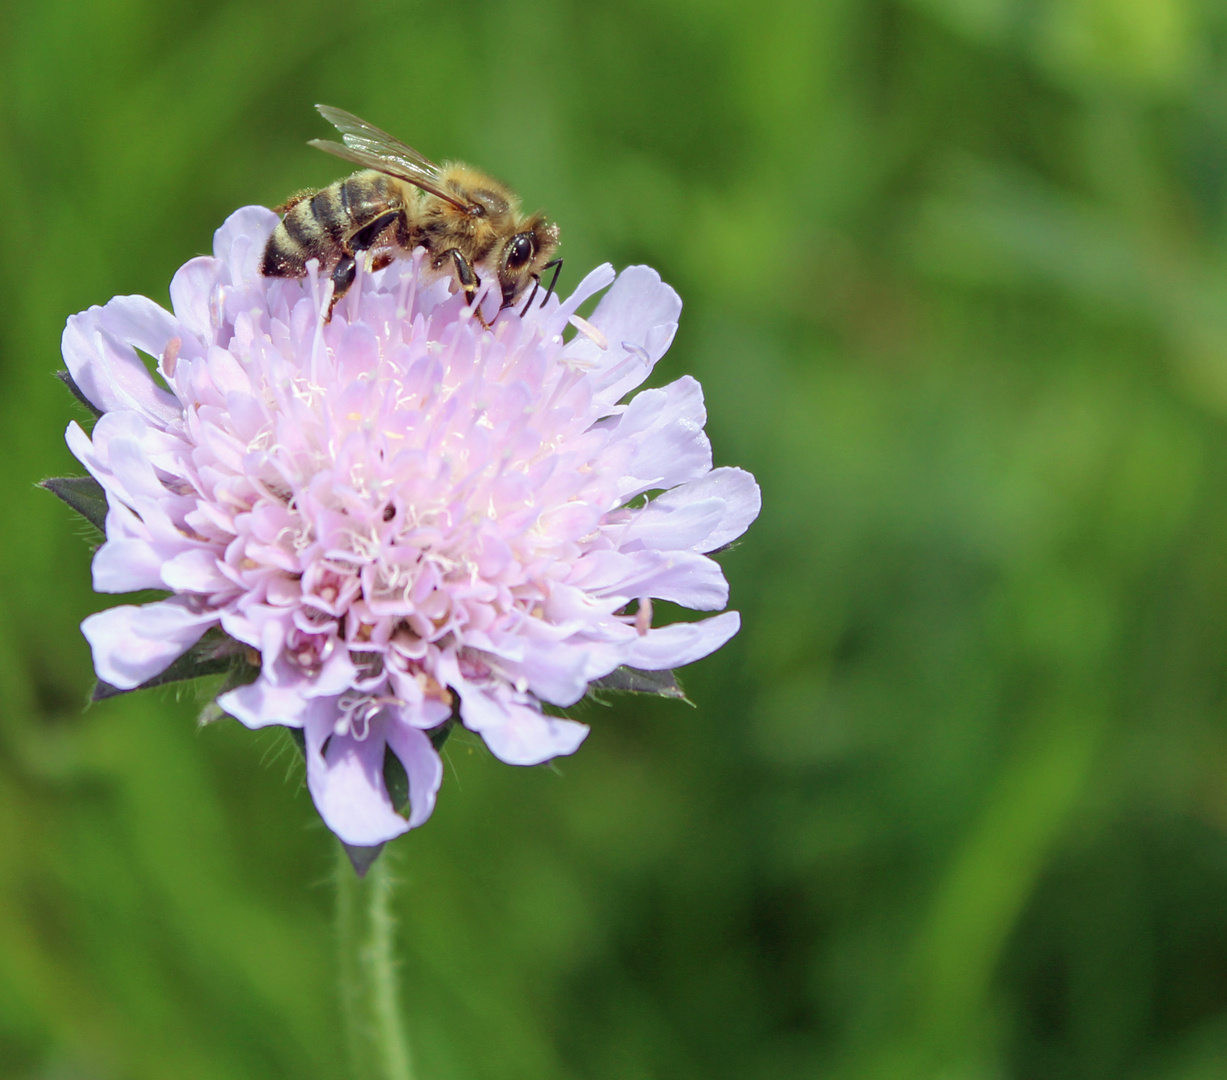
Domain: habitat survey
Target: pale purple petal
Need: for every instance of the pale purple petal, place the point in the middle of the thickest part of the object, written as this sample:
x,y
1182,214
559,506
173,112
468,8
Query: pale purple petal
x,y
520,734
345,778
682,643
263,702
106,367
555,672
664,528
194,570
239,243
133,644
665,431
422,765
191,294
638,318
704,514
126,564
336,673
590,284
141,323
682,577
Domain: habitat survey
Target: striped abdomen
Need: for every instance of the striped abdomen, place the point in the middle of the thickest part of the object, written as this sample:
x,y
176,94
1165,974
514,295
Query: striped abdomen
x,y
329,224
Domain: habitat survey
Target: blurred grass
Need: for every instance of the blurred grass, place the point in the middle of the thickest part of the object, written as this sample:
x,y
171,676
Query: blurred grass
x,y
953,803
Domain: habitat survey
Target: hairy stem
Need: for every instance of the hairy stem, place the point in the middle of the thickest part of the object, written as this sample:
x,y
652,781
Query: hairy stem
x,y
370,999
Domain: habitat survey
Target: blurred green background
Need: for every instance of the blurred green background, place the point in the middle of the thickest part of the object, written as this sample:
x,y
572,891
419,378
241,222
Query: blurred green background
x,y
954,803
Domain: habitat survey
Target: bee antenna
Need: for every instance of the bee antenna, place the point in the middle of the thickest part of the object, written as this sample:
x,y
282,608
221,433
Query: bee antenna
x,y
557,265
536,286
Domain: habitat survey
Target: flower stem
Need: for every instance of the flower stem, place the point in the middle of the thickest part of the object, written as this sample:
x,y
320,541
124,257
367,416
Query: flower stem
x,y
370,1000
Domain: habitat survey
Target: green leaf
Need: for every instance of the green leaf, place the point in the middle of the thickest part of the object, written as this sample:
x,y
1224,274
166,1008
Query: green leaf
x,y
211,655
632,680
84,494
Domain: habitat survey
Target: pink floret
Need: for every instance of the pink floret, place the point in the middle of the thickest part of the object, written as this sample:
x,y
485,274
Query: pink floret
x,y
398,510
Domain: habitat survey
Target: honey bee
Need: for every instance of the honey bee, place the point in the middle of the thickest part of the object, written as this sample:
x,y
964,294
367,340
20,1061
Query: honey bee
x,y
401,200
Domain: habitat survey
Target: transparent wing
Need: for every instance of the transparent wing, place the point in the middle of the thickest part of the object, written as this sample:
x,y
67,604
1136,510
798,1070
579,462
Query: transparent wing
x,y
359,135
384,165
367,145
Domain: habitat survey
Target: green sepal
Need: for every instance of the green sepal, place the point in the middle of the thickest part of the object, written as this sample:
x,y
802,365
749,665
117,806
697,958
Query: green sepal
x,y
84,494
723,548
240,673
438,736
213,654
632,680
395,779
362,858
68,381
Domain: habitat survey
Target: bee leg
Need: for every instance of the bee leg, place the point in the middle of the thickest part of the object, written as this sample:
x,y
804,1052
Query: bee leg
x,y
467,276
369,233
342,279
346,269
557,266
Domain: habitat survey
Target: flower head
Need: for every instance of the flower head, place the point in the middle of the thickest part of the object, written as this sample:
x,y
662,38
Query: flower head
x,y
402,517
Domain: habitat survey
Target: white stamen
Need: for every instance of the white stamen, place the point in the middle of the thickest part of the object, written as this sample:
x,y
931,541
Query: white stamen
x,y
170,357
643,617
589,331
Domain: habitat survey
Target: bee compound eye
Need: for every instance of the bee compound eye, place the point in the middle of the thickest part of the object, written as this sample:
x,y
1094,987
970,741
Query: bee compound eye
x,y
520,250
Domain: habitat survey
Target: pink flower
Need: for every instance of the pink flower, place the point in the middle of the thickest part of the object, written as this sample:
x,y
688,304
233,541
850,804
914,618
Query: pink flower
x,y
404,516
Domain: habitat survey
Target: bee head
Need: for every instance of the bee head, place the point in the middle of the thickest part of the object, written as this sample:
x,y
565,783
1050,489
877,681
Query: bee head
x,y
524,255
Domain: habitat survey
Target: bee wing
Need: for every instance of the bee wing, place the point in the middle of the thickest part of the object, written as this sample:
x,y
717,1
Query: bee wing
x,y
367,145
358,134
